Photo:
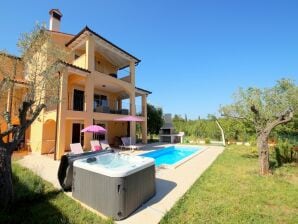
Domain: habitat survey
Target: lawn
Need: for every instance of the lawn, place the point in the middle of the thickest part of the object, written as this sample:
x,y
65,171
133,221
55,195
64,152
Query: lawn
x,y
37,201
231,191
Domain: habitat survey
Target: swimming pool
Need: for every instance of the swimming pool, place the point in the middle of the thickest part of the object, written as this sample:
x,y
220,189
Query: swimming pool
x,y
172,155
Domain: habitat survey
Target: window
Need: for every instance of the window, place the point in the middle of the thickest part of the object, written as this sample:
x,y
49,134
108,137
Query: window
x,y
100,100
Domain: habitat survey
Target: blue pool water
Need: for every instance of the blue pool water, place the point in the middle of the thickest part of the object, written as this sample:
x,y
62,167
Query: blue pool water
x,y
171,155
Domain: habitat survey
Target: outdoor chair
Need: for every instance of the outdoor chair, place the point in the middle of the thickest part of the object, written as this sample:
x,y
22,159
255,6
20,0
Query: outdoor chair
x,y
126,141
95,145
105,145
76,148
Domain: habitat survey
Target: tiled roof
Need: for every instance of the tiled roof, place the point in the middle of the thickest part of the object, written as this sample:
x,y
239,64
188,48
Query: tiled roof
x,y
54,31
10,56
143,90
74,66
96,34
20,81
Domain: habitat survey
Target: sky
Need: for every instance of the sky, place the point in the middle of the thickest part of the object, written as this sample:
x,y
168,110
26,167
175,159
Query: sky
x,y
195,54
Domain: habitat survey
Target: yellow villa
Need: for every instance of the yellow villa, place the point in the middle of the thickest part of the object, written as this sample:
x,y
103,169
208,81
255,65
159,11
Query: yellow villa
x,y
94,90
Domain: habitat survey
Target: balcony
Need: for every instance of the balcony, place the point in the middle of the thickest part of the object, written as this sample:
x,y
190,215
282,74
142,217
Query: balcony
x,y
106,109
101,105
124,110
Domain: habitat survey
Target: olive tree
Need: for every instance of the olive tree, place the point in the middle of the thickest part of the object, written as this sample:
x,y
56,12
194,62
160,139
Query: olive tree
x,y
37,71
265,109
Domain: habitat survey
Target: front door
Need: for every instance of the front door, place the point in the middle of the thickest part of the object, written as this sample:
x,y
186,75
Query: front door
x,y
77,135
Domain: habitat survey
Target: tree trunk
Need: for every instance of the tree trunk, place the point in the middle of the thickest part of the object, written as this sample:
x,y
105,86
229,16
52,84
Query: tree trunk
x,y
222,133
263,149
6,187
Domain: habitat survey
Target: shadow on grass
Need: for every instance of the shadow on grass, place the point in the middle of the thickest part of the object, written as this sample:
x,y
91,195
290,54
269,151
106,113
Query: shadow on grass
x,y
250,156
273,165
32,207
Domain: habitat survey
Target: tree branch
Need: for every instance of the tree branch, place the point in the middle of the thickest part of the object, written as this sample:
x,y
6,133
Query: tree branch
x,y
25,123
255,112
285,117
7,118
23,111
2,82
236,117
7,132
36,113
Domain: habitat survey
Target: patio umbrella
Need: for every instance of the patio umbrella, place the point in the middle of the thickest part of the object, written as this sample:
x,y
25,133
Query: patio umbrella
x,y
128,119
94,129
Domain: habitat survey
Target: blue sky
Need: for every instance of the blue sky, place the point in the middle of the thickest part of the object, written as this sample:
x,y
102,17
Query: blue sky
x,y
195,54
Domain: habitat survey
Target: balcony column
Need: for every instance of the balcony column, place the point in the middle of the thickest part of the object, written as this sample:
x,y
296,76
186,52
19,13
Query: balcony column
x,y
90,55
89,89
61,121
132,69
144,123
87,136
119,102
89,97
133,113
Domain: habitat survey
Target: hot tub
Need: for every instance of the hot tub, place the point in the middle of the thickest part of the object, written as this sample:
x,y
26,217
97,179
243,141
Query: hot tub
x,y
114,184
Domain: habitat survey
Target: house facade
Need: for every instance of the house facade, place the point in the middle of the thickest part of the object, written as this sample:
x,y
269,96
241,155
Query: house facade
x,y
97,88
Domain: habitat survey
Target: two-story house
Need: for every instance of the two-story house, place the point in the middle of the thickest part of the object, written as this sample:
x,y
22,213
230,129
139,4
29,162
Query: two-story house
x,y
93,90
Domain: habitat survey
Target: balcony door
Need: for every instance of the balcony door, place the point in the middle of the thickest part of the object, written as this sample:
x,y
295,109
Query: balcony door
x,y
97,136
78,100
77,135
101,103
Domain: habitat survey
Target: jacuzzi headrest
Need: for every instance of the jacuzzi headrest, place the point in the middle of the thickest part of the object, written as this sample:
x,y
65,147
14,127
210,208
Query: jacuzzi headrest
x,y
91,160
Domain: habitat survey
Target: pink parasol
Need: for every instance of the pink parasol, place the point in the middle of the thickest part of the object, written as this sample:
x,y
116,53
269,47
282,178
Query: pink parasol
x,y
94,129
129,118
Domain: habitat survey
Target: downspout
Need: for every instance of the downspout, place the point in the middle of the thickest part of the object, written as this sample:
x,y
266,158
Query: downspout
x,y
57,116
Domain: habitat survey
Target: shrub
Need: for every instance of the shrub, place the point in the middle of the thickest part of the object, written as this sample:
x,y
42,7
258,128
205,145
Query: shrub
x,y
252,141
253,149
207,140
284,152
185,141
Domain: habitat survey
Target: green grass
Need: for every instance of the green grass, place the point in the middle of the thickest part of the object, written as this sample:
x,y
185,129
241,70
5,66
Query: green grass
x,y
37,201
231,191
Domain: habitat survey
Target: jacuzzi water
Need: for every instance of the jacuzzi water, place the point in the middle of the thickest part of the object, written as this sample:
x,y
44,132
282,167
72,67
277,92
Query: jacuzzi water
x,y
114,164
113,161
171,155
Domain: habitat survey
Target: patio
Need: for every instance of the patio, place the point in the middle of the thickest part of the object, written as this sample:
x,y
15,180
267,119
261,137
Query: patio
x,y
171,184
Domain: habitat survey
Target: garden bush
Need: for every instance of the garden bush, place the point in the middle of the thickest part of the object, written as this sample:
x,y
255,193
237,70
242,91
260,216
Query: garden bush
x,y
207,140
284,152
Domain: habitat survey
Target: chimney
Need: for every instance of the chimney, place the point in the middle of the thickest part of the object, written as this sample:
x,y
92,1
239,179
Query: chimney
x,y
55,18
